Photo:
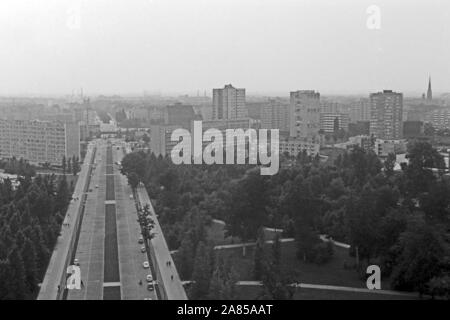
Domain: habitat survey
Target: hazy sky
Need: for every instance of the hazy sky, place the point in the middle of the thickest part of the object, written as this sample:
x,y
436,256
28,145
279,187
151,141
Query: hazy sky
x,y
265,46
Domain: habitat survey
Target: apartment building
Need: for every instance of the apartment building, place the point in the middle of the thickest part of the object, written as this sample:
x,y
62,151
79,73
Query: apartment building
x,y
439,119
275,115
304,113
229,103
39,142
332,122
294,147
386,114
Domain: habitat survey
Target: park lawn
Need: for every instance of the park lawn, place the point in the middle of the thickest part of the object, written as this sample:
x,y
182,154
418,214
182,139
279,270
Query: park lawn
x,y
252,292
331,273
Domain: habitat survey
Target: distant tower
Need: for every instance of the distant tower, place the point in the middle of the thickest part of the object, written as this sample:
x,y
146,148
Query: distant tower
x,y
429,92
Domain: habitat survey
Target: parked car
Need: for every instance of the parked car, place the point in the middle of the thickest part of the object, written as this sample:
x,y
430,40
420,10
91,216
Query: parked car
x,y
149,278
142,249
150,287
141,240
146,265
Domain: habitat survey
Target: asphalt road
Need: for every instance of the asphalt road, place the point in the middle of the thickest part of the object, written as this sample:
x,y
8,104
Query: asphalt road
x,y
108,251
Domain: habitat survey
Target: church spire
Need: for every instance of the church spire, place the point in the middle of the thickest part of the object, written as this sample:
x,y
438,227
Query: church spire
x,y
429,92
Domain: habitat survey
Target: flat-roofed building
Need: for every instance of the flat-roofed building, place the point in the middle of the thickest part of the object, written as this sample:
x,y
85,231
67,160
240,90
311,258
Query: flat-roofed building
x,y
39,141
275,115
229,103
304,113
296,146
332,122
386,114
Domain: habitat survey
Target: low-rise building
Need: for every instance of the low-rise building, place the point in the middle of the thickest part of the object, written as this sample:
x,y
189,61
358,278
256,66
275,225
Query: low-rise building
x,y
383,147
296,146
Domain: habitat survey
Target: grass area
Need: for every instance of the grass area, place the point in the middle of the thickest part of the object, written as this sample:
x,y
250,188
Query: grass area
x,y
331,273
252,292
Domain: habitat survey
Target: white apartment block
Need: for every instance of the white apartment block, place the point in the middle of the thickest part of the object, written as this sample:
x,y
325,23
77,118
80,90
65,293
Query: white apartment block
x,y
275,115
304,113
229,103
296,146
386,114
329,120
39,142
439,119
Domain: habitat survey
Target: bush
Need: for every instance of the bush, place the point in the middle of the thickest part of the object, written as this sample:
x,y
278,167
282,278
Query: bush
x,y
322,252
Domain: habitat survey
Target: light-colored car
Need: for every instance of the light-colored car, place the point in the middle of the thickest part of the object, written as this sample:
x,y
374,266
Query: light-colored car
x,y
146,265
142,249
149,278
76,262
131,197
141,240
148,299
150,287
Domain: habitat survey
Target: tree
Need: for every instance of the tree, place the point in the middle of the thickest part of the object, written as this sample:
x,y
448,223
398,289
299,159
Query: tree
x,y
389,164
30,265
62,195
422,157
248,210
276,250
16,282
75,165
421,250
260,256
64,164
276,284
69,165
133,180
185,258
201,274
146,138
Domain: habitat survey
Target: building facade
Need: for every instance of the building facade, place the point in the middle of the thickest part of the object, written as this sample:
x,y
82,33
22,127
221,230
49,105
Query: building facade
x,y
332,122
386,114
160,139
360,111
179,114
294,147
275,115
439,119
304,113
229,103
39,141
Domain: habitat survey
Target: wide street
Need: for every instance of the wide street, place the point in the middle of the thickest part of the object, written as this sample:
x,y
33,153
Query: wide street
x,y
108,252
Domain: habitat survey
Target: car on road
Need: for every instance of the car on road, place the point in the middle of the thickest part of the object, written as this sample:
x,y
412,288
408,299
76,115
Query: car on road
x,y
96,185
131,197
149,278
146,265
148,299
150,287
142,249
141,240
76,262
